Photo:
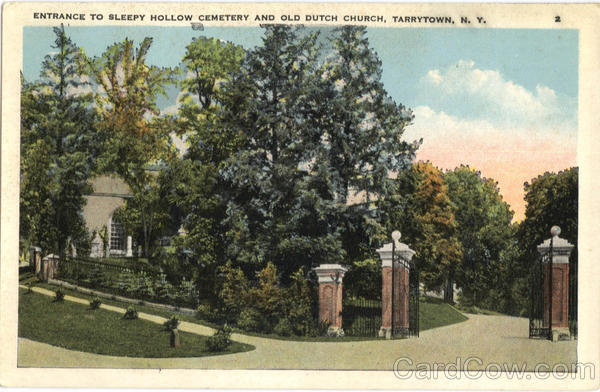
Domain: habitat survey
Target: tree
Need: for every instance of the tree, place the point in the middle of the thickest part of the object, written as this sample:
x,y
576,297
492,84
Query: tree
x,y
274,210
360,143
307,143
487,270
364,126
135,136
552,199
210,61
423,212
59,150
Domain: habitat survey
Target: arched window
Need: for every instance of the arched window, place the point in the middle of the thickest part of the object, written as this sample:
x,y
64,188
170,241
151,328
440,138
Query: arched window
x,y
117,237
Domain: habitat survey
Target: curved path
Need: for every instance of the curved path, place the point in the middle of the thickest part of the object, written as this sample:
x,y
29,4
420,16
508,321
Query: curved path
x,y
478,341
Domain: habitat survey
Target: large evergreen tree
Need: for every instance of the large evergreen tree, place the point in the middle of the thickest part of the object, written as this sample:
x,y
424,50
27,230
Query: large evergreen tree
x,y
59,150
361,136
271,208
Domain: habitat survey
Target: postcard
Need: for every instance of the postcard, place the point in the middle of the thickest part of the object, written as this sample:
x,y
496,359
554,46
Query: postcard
x,y
299,195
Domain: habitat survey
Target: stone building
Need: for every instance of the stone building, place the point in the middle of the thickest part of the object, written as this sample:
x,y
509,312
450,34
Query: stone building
x,y
109,193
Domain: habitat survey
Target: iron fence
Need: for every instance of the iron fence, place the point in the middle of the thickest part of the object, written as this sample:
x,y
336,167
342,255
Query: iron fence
x,y
361,317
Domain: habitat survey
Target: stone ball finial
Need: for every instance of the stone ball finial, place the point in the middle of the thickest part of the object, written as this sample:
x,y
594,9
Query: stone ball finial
x,y
555,231
396,235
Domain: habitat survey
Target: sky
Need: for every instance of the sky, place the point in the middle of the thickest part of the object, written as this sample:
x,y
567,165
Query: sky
x,y
503,101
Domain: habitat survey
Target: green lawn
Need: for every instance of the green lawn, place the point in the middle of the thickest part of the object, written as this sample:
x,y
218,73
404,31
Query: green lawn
x,y
478,310
435,313
76,327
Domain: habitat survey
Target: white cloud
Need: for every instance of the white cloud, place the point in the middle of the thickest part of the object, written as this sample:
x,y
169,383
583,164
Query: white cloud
x,y
441,128
469,92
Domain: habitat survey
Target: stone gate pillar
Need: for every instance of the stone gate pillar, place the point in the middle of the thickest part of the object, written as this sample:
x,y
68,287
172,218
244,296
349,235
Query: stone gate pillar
x,y
35,258
49,268
557,293
330,296
129,249
395,259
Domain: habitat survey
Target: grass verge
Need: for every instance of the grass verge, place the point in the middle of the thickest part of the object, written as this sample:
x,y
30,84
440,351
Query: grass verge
x,y
434,313
77,327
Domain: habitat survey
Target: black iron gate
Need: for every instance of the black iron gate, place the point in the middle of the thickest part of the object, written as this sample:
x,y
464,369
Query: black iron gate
x,y
413,300
573,296
540,302
362,316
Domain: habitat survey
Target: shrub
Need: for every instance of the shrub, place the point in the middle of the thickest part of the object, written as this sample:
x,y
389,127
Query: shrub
x,y
300,303
145,285
364,279
131,313
220,340
172,323
186,293
163,289
319,328
252,320
208,313
95,303
284,327
233,290
268,298
59,296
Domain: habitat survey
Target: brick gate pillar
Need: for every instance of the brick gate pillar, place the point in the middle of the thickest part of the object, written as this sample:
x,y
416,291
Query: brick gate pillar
x,y
49,269
330,296
395,287
35,259
557,293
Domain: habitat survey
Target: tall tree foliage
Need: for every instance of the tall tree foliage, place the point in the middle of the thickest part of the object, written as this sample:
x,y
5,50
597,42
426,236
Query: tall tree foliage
x,y
552,199
272,206
208,65
361,135
59,150
423,212
317,125
488,267
135,138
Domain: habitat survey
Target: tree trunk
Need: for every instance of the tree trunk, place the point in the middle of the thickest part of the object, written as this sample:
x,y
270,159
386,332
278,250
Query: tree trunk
x,y
449,291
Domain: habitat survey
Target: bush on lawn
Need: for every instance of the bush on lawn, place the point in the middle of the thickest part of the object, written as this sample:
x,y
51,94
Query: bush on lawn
x,y
233,290
252,320
95,303
300,301
209,313
364,279
266,305
59,296
131,313
284,327
220,340
172,323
